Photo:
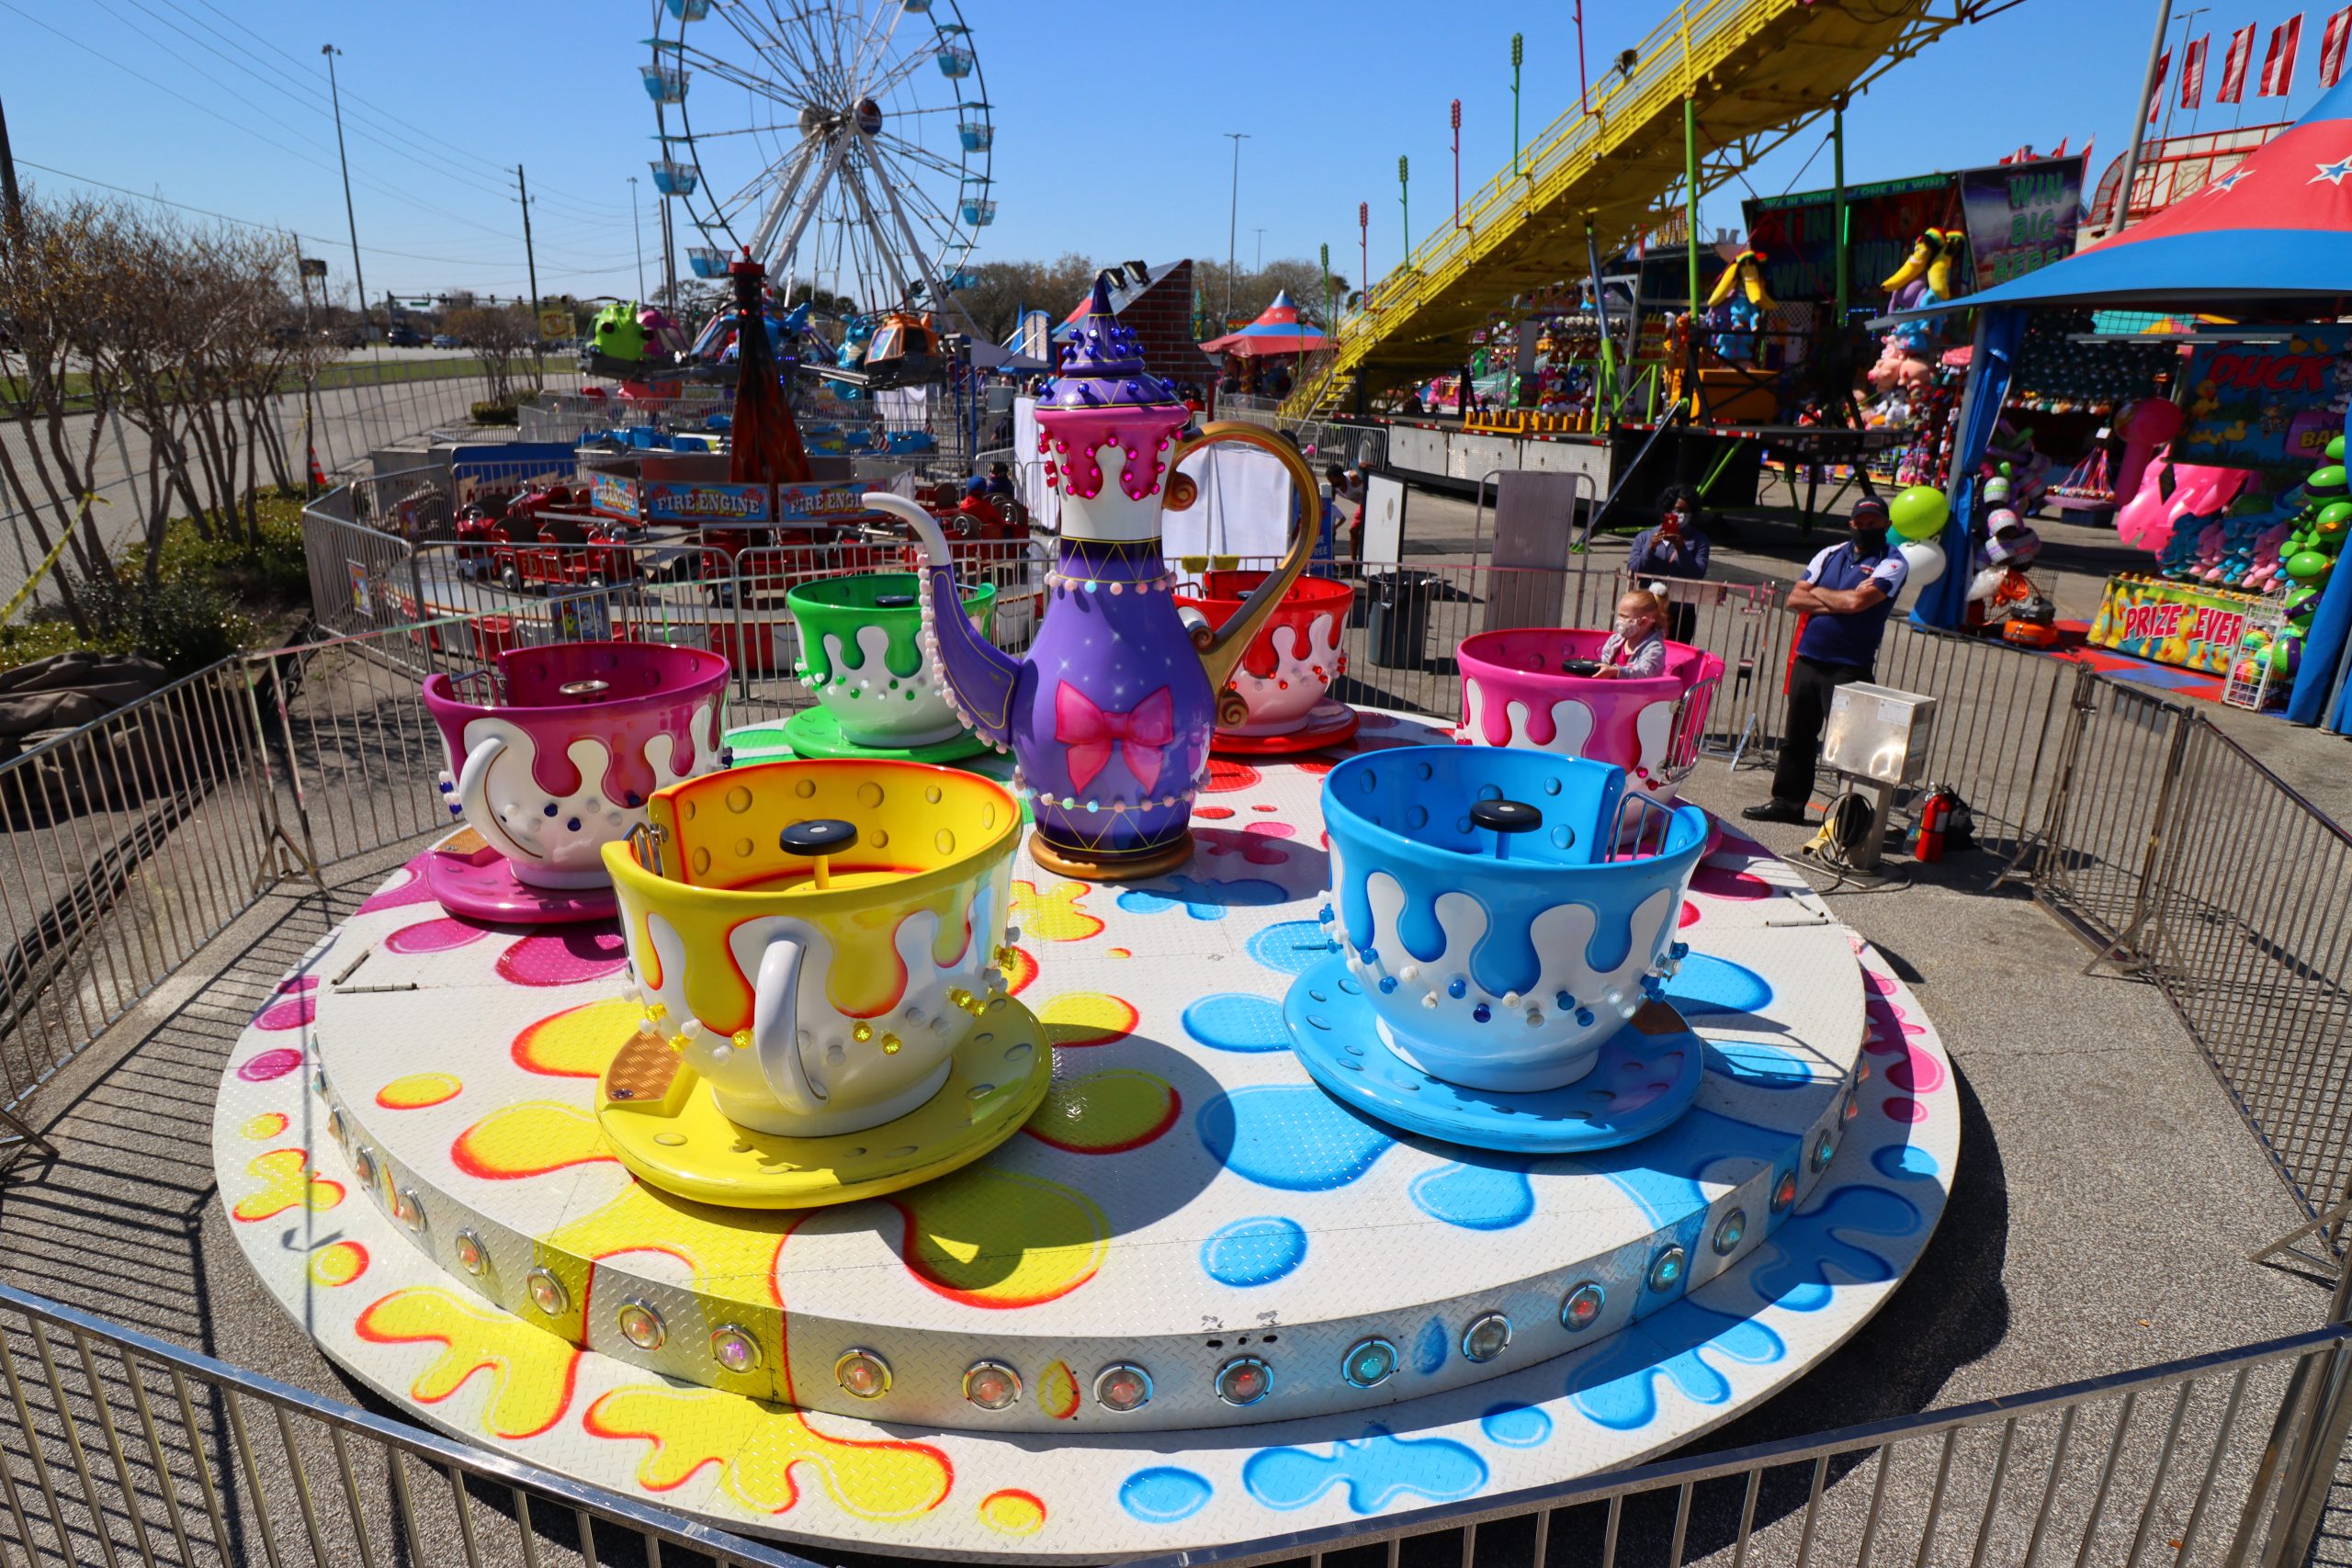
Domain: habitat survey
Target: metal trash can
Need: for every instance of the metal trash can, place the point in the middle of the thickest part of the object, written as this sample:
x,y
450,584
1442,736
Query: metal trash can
x,y
1398,623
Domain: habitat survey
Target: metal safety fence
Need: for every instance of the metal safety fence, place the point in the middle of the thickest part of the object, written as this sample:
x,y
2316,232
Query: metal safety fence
x,y
122,1449
2220,1460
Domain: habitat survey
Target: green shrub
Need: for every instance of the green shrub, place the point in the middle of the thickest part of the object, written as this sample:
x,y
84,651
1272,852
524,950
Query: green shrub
x,y
499,412
184,621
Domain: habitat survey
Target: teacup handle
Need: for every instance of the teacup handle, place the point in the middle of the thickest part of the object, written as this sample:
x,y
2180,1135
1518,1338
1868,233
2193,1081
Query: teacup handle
x,y
775,1028
473,796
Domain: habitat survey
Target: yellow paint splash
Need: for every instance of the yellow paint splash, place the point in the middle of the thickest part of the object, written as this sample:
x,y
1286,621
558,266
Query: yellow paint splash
x,y
1058,1391
338,1263
264,1127
418,1090
1087,1018
288,1181
757,1446
529,1139
577,1043
993,1239
1105,1113
1053,915
531,1370
732,1251
1013,1512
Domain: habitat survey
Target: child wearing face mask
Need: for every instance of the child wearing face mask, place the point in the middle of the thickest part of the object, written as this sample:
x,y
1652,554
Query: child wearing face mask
x,y
1636,647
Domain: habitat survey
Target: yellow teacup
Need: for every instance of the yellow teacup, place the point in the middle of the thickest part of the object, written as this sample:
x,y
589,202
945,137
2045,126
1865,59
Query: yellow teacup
x,y
816,937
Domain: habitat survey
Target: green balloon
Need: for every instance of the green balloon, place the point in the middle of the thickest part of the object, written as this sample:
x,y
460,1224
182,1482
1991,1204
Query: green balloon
x,y
2325,484
2336,450
1918,512
2336,512
2307,564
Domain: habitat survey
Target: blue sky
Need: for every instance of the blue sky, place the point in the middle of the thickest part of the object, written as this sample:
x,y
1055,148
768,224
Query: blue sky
x,y
1110,117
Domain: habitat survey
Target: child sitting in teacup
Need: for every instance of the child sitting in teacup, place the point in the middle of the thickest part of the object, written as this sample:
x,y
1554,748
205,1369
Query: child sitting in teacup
x,y
1637,647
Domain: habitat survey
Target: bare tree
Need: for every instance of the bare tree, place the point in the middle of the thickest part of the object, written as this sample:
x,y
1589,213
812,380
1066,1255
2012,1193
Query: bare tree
x,y
499,337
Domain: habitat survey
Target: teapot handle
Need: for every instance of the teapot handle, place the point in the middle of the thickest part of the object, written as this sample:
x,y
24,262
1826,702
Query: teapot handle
x,y
1221,649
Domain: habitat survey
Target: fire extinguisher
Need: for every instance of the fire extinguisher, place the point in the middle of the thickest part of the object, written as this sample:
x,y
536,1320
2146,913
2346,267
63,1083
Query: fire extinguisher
x,y
1934,812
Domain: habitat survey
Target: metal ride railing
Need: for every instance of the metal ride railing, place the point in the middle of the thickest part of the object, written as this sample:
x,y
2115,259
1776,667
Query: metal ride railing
x,y
122,1449
2224,1458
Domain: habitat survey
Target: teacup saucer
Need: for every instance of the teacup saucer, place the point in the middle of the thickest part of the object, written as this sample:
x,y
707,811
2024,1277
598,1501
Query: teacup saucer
x,y
669,1133
814,732
1648,1076
1328,722
473,880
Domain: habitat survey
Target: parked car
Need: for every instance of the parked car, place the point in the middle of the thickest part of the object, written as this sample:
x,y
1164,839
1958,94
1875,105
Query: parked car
x,y
444,340
405,337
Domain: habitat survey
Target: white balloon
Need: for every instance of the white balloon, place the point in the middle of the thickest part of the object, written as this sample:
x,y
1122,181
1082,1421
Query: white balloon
x,y
1925,559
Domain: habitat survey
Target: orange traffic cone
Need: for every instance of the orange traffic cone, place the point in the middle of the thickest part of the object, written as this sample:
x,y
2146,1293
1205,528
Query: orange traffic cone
x,y
318,475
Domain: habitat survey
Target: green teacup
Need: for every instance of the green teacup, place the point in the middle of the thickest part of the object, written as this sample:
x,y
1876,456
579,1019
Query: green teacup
x,y
861,652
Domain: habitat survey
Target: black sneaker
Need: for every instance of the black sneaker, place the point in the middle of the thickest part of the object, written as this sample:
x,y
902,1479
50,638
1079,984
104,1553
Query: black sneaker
x,y
1775,811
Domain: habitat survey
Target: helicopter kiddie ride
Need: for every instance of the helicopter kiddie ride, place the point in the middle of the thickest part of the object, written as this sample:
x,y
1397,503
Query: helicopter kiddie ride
x,y
875,1182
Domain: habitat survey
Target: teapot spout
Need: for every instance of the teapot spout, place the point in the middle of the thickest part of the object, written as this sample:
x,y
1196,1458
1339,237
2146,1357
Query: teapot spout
x,y
973,673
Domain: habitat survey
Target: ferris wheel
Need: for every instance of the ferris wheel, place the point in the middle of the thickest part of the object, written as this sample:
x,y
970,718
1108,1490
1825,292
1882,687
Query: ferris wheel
x,y
845,143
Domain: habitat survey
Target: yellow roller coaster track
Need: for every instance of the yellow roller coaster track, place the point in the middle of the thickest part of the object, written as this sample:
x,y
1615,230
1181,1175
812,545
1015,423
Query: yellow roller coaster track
x,y
1755,70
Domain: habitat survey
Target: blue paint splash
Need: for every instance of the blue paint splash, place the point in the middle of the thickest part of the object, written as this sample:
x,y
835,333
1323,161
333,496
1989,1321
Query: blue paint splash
x,y
1906,1162
1707,984
1204,900
1807,1284
1254,1252
1163,1494
1290,947
1235,1021
1289,1136
1376,1468
1617,1387
1491,1197
1515,1425
1430,1348
1758,1064
1661,1173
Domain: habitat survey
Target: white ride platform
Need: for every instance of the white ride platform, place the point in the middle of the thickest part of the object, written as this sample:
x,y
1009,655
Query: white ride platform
x,y
1332,1320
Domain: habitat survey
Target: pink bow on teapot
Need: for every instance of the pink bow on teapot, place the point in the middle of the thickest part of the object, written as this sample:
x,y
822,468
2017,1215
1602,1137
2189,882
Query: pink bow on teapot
x,y
1091,733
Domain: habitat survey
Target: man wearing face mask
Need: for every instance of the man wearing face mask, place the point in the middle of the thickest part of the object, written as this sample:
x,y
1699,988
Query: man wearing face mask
x,y
1847,593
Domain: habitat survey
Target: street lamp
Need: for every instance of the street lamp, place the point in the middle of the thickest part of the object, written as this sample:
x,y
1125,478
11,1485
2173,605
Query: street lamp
x,y
1518,53
637,227
1232,223
358,276
1404,204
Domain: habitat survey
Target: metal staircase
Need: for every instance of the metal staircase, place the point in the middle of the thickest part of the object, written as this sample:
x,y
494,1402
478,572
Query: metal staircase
x,y
1754,70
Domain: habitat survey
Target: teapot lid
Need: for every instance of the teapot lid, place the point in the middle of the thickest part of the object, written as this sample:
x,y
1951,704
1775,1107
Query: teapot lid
x,y
1102,365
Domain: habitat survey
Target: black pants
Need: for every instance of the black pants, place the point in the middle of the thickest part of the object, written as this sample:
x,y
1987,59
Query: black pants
x,y
1810,684
1682,620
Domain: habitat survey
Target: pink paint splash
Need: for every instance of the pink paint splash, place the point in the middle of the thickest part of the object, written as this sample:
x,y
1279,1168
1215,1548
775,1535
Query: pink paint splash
x,y
434,936
298,1009
411,888
1690,914
1716,883
1272,829
1227,777
1254,848
563,958
273,1064
1901,1108
1218,813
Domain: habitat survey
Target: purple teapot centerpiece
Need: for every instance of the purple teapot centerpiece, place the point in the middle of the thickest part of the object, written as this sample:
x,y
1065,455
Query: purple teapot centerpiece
x,y
1109,713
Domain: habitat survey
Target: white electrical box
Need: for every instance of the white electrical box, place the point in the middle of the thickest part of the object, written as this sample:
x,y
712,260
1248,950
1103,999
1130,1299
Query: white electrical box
x,y
1877,732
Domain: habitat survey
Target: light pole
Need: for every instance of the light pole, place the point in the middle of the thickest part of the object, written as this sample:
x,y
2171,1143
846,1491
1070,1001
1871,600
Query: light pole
x,y
1517,52
358,277
1233,218
637,227
1405,205
2140,120
1455,117
1364,251
1261,265
1326,287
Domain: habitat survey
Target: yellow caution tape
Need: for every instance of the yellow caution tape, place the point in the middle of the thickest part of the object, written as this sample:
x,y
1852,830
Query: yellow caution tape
x,y
16,602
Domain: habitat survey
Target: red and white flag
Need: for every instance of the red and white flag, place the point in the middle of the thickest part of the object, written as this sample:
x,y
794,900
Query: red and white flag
x,y
2156,88
2330,47
2234,64
2060,150
2278,63
2192,72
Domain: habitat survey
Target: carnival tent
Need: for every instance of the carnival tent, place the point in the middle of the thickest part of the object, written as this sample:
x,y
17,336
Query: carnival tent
x,y
1277,330
2276,229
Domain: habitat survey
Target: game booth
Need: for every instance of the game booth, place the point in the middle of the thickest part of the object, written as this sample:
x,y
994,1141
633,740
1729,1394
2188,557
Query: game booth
x,y
2234,485
1108,1103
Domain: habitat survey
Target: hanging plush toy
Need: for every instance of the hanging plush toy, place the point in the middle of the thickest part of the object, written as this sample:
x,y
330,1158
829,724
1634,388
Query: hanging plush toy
x,y
1924,278
1742,298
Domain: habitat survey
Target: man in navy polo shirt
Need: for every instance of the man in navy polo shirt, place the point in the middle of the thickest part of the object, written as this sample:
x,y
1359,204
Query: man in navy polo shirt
x,y
1847,593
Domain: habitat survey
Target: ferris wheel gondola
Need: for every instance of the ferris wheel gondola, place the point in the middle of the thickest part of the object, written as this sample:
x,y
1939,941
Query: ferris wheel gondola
x,y
845,145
